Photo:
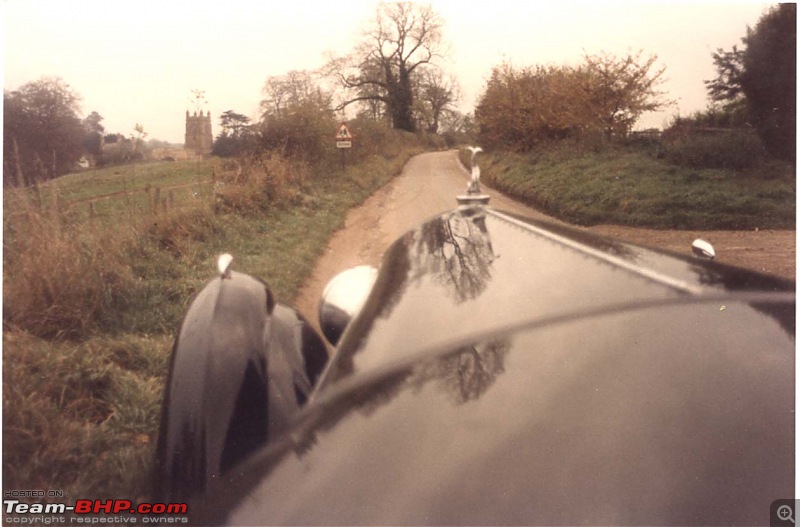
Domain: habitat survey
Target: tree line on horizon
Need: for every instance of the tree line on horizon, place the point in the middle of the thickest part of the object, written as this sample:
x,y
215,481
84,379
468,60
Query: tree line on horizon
x,y
394,77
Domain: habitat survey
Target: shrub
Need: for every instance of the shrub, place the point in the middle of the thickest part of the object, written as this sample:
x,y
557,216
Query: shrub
x,y
726,149
255,182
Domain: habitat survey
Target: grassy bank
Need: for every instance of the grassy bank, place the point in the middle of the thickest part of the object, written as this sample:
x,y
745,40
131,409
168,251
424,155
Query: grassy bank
x,y
92,297
630,187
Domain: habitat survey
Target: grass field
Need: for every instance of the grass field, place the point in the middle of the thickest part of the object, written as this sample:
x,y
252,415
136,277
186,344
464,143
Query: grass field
x,y
128,191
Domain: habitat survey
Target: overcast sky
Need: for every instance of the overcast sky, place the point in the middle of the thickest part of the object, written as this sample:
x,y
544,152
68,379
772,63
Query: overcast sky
x,y
137,62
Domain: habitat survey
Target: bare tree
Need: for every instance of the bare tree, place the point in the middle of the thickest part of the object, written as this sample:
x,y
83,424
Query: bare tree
x,y
403,38
288,92
437,95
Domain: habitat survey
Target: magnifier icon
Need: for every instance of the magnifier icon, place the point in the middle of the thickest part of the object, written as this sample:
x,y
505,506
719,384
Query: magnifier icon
x,y
785,513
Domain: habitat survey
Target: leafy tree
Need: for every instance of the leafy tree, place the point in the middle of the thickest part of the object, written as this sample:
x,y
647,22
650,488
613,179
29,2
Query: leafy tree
x,y
235,136
522,107
769,78
93,142
404,39
233,123
137,140
42,134
618,91
92,123
604,97
760,81
727,87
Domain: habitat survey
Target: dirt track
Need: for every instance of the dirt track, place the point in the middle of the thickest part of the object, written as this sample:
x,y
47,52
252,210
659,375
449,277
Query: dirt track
x,y
428,186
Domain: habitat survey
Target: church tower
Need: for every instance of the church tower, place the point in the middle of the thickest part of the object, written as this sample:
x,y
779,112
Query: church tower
x,y
198,133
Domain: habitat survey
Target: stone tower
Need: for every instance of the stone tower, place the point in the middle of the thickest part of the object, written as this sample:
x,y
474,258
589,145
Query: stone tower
x,y
198,133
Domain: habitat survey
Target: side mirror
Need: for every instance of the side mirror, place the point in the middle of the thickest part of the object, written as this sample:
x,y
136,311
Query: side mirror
x,y
343,298
703,249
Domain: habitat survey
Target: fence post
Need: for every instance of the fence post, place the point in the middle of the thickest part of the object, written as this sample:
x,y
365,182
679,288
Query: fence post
x,y
156,201
55,211
18,163
147,190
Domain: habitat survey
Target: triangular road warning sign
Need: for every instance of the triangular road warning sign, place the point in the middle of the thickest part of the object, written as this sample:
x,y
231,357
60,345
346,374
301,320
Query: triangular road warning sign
x,y
343,133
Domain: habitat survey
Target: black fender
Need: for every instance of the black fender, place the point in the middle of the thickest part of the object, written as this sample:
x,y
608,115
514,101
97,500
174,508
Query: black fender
x,y
241,366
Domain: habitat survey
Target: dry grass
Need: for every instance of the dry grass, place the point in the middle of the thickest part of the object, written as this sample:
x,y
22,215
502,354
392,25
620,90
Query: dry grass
x,y
258,182
63,280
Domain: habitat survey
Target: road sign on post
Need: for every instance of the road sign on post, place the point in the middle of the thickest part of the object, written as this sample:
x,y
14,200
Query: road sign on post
x,y
344,139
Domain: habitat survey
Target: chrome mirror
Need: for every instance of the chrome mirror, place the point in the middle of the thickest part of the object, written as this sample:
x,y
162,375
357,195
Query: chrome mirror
x,y
343,298
703,249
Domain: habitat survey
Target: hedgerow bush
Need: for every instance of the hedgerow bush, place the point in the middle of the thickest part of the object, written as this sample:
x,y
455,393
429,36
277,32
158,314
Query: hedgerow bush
x,y
733,149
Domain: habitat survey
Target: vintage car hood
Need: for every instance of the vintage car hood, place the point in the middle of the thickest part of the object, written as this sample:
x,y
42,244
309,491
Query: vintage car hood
x,y
475,270
678,414
505,375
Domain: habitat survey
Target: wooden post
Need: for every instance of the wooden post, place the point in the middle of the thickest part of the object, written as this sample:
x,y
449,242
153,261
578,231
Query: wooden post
x,y
55,213
18,163
156,201
37,194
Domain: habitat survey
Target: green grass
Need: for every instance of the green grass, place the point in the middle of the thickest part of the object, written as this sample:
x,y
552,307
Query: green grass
x,y
628,187
81,417
119,192
91,306
103,181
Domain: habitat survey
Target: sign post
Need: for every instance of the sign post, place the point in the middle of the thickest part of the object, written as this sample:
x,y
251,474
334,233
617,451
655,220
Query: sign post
x,y
344,140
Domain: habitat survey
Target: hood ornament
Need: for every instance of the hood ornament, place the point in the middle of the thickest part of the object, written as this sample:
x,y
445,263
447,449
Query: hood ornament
x,y
474,196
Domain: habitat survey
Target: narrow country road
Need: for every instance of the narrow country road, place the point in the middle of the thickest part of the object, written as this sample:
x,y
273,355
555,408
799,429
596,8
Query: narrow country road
x,y
429,185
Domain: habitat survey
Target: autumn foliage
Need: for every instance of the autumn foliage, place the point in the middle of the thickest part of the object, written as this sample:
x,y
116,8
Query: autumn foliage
x,y
600,99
